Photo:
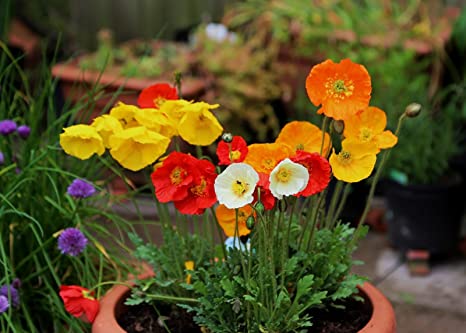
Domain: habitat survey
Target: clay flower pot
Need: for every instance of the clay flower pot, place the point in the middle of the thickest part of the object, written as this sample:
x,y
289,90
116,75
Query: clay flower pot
x,y
111,306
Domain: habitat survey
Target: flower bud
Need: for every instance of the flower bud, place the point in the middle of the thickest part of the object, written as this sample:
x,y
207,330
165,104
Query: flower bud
x,y
338,126
413,110
259,207
227,137
2,158
250,222
7,126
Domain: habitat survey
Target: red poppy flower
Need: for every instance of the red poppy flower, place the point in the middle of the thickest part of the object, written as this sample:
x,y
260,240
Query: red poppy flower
x,y
233,152
267,198
156,95
173,179
201,193
319,172
79,301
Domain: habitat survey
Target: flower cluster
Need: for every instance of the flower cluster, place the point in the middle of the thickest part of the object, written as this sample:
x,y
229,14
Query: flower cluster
x,y
137,137
259,186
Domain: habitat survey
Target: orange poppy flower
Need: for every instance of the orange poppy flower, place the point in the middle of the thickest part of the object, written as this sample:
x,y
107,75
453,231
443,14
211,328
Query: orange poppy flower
x,y
342,88
227,219
369,126
263,157
302,135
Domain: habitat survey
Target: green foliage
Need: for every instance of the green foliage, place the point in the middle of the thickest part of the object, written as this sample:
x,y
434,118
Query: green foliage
x,y
35,207
245,79
231,300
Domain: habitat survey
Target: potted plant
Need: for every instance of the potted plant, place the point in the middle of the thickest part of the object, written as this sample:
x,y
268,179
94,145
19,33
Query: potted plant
x,y
249,247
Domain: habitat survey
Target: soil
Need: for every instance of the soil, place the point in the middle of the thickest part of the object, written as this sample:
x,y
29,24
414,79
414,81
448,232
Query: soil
x,y
144,319
351,319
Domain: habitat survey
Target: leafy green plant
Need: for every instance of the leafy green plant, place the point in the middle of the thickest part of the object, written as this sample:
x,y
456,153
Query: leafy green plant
x,y
36,206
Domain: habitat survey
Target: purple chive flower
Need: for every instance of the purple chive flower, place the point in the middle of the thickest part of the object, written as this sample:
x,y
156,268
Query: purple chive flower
x,y
80,188
7,127
23,131
13,293
2,158
72,242
4,305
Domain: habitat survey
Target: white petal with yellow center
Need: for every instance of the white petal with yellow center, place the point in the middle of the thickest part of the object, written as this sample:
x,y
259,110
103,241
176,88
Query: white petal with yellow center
x,y
235,186
288,178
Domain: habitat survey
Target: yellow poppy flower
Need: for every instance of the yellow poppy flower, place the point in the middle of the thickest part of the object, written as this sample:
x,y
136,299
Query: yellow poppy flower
x,y
106,126
354,162
174,109
227,219
198,126
125,114
81,141
369,126
137,147
156,121
302,135
263,157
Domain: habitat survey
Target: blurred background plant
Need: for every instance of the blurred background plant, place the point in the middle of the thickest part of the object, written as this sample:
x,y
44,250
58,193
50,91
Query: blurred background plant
x,y
36,205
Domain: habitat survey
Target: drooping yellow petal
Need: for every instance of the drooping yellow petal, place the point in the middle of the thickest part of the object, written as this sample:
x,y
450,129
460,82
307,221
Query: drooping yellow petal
x,y
125,114
137,147
106,126
81,141
386,140
199,127
157,121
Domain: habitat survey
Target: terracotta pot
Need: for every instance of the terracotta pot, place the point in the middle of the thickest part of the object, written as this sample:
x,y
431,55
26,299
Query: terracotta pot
x,y
111,306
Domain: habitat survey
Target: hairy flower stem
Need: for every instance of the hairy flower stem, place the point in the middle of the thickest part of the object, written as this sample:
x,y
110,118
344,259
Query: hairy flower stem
x,y
333,203
285,244
220,233
314,217
324,129
341,205
386,155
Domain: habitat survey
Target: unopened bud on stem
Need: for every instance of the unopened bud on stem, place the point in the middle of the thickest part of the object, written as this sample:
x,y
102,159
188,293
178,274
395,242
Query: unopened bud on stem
x,y
413,110
338,126
227,137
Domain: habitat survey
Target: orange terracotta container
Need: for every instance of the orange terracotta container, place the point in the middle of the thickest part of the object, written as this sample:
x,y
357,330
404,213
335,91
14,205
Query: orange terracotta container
x,y
111,306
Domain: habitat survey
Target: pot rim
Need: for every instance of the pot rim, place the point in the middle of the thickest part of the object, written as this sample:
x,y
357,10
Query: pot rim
x,y
382,319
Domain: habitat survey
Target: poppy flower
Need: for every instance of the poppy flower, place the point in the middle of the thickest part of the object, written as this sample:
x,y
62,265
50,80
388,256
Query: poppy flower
x,y
354,162
288,178
319,172
342,89
137,147
106,126
155,95
171,180
156,121
369,126
125,114
235,185
226,218
81,141
201,194
263,157
232,152
198,126
79,301
266,197
304,136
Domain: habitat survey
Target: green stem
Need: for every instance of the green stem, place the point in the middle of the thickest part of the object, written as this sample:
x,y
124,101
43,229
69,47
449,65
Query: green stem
x,y
172,299
333,203
375,180
341,205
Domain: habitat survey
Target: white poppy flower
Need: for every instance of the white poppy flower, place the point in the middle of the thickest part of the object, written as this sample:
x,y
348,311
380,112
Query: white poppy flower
x,y
235,186
288,178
